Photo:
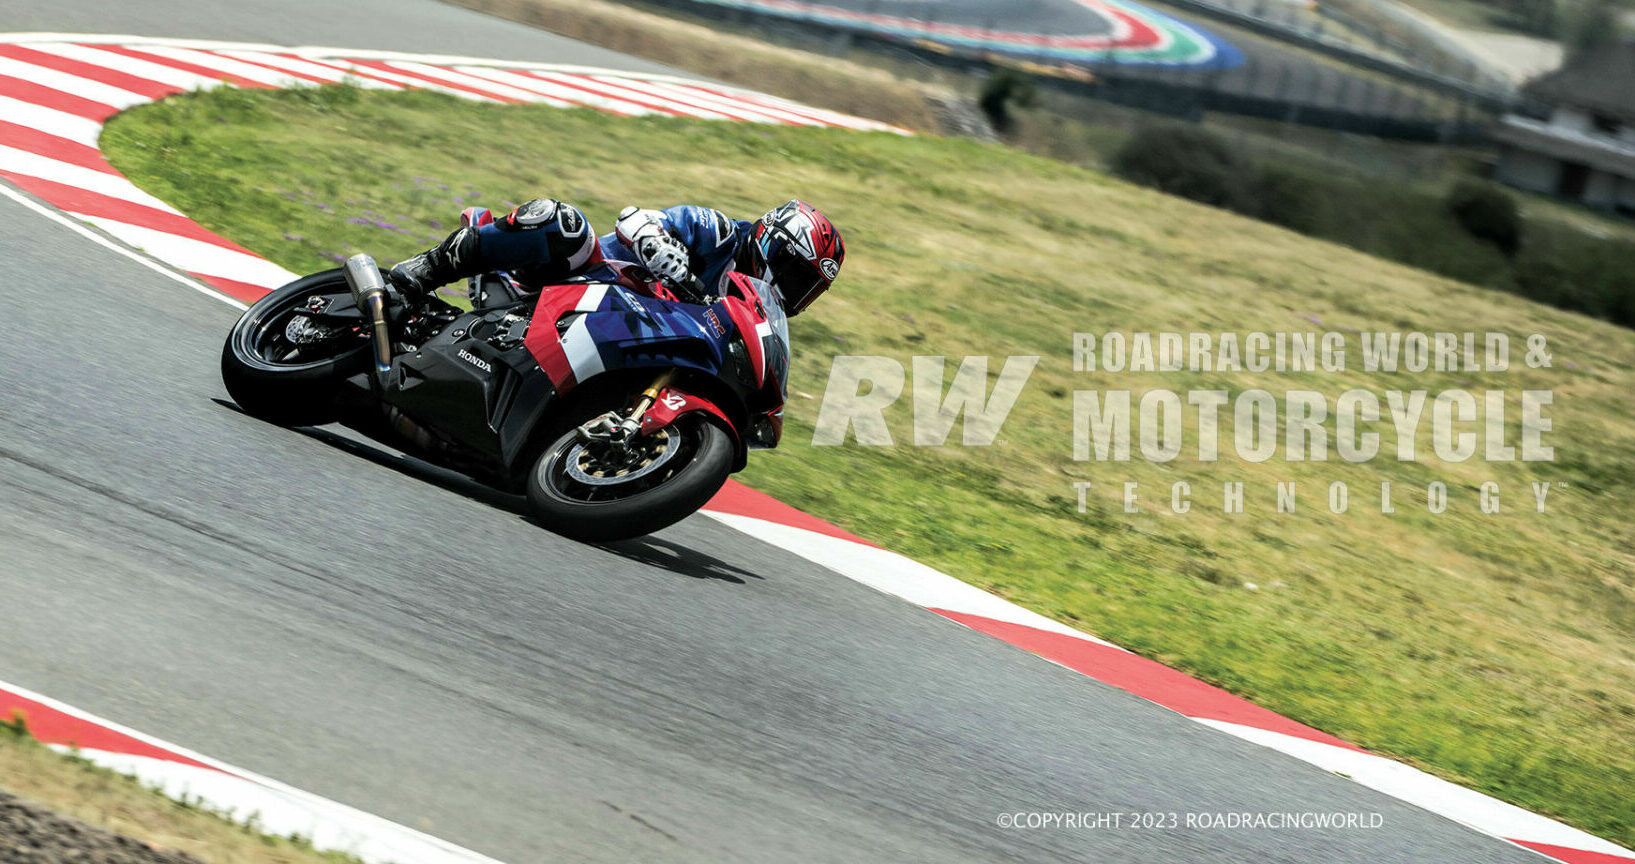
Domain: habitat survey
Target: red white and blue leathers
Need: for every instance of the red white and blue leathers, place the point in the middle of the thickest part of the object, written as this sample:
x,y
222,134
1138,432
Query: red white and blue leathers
x,y
714,243
544,242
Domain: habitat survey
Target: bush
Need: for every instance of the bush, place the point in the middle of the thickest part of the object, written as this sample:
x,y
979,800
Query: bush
x,y
1004,88
1587,26
1185,161
1486,214
1570,270
1284,196
1473,233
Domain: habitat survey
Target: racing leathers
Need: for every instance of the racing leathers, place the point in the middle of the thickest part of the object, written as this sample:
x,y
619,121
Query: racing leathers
x,y
691,249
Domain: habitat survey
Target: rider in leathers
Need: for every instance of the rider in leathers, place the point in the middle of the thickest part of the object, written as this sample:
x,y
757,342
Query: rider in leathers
x,y
691,249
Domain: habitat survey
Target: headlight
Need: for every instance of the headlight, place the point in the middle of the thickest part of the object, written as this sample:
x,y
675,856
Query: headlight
x,y
738,358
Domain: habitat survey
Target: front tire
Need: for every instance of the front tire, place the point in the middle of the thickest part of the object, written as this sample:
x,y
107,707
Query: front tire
x,y
281,379
575,493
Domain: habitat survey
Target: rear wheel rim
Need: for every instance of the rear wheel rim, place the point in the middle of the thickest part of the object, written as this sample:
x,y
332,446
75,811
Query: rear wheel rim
x,y
281,339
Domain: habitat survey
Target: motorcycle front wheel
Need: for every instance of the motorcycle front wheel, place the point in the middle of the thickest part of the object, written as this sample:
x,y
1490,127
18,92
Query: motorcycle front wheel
x,y
281,367
597,492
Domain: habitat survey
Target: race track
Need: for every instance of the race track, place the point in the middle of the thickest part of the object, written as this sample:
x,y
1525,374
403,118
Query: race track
x,y
1072,31
398,640
1047,17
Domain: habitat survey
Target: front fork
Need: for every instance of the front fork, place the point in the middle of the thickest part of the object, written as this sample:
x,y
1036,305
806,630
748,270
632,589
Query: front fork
x,y
610,428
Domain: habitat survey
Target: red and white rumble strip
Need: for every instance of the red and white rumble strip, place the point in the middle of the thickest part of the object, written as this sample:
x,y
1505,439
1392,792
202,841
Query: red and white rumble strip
x,y
56,90
182,774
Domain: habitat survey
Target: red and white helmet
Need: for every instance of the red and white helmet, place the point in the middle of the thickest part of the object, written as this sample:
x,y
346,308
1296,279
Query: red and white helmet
x,y
802,250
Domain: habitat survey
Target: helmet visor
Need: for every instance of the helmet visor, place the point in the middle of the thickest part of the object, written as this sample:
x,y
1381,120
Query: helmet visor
x,y
798,279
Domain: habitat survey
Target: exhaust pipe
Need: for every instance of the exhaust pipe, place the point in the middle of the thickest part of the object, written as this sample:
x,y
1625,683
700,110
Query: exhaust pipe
x,y
369,292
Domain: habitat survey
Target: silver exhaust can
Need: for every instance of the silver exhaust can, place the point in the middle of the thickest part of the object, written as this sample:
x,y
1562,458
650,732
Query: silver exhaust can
x,y
369,292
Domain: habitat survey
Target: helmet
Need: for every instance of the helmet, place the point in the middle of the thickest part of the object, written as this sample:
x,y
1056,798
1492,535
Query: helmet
x,y
802,250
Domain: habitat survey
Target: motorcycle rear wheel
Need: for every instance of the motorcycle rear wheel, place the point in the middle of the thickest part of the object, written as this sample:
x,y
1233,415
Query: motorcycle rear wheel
x,y
579,493
276,376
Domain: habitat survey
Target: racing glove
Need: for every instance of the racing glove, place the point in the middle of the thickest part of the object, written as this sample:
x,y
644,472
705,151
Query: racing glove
x,y
663,255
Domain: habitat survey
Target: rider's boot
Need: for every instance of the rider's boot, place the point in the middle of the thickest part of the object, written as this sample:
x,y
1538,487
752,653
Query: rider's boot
x,y
449,260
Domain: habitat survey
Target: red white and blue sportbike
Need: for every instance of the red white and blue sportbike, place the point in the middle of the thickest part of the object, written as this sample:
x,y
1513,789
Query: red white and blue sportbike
x,y
614,412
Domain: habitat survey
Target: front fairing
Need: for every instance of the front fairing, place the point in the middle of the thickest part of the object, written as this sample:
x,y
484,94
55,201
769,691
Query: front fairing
x,y
581,331
775,334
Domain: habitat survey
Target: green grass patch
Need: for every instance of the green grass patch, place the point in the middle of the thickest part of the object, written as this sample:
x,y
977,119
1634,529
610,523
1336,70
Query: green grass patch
x,y
1494,650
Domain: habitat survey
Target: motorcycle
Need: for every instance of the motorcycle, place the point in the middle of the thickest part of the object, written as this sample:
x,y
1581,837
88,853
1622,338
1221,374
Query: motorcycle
x,y
615,411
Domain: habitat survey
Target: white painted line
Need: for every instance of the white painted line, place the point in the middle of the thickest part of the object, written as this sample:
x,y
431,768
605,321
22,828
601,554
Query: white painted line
x,y
133,255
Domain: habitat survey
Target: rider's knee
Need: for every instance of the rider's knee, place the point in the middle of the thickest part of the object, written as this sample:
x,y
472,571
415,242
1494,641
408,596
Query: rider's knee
x,y
561,231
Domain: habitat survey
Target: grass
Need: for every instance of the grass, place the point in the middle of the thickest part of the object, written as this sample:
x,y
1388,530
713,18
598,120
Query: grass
x,y
73,786
1494,650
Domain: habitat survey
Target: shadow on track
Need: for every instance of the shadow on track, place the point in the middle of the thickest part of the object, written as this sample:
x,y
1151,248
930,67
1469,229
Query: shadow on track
x,y
657,552
649,550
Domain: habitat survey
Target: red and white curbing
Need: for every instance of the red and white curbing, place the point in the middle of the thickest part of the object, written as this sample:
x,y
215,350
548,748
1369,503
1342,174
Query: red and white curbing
x,y
56,90
184,775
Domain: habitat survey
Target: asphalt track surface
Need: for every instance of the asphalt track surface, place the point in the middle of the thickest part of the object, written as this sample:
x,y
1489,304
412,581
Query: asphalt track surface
x,y
1047,17
399,25
398,641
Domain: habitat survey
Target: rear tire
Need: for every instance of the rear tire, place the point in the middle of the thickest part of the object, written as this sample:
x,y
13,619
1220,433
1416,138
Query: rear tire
x,y
566,506
276,389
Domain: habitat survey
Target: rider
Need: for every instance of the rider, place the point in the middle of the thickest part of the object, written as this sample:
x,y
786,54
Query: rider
x,y
545,241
